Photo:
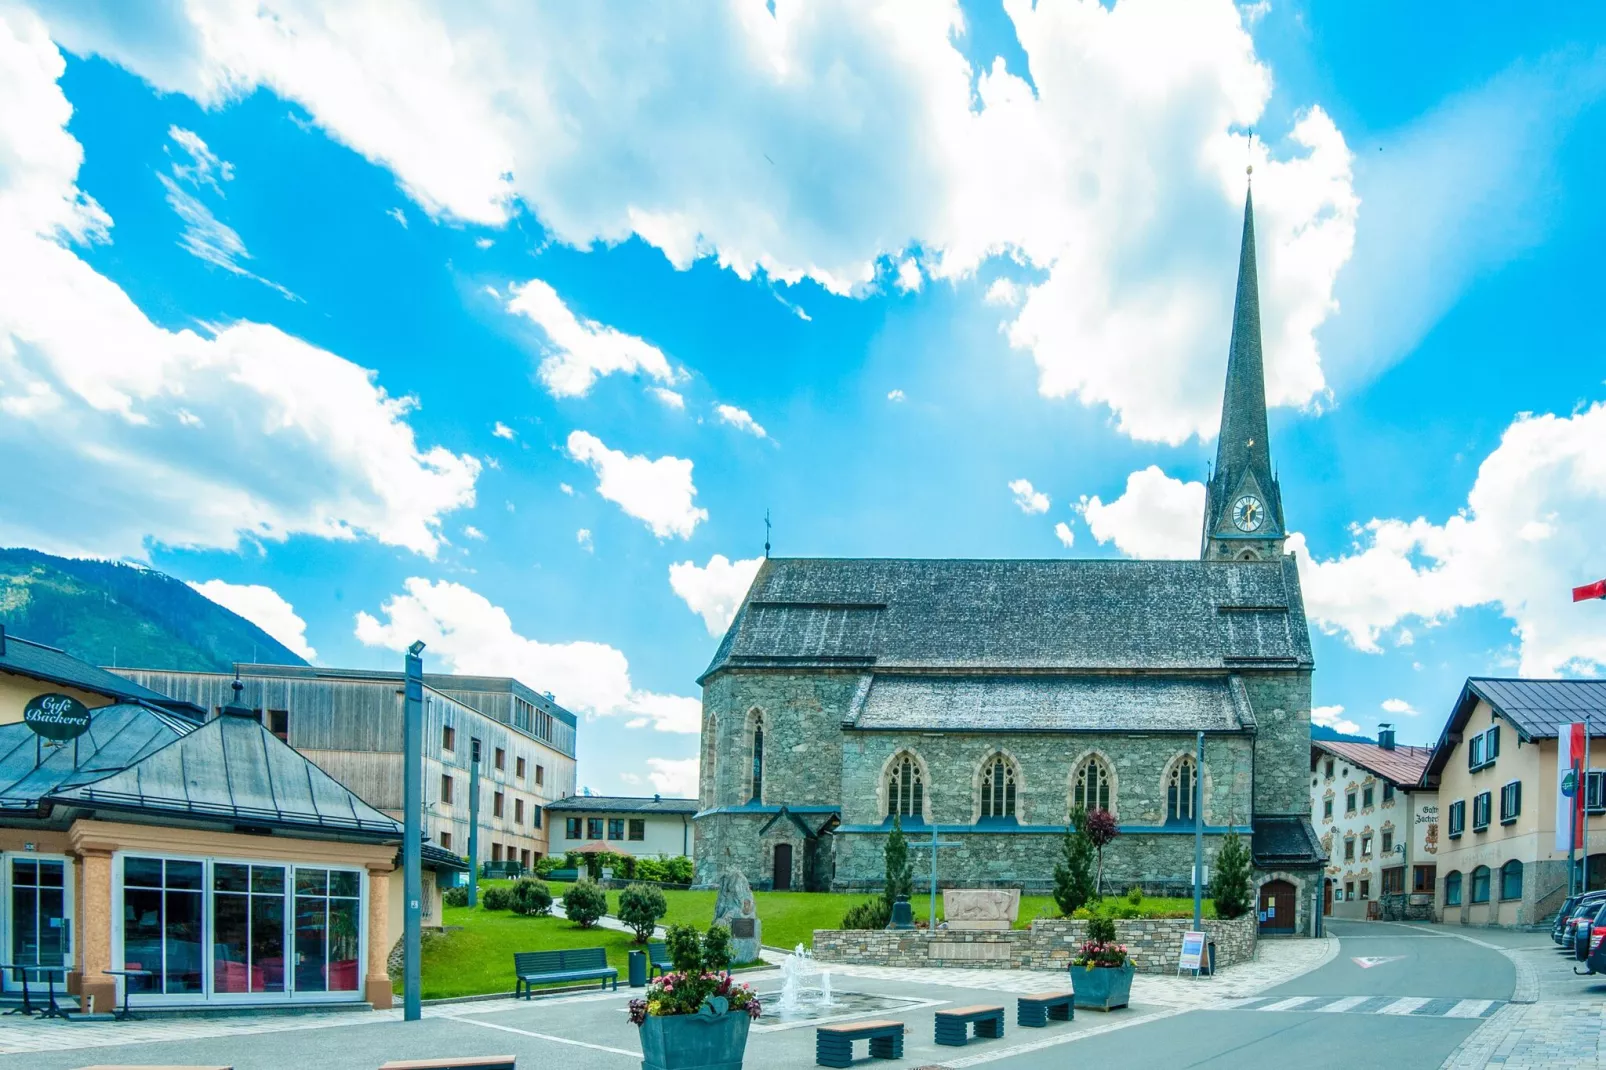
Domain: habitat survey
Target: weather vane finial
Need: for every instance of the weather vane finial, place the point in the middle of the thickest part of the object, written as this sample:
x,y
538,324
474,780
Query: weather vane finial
x,y
1249,169
766,534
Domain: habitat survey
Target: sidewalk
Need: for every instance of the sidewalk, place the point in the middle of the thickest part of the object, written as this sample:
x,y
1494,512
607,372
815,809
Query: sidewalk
x,y
1556,1020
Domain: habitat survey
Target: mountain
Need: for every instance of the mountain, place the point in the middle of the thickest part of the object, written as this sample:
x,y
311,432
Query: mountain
x,y
109,613
1333,735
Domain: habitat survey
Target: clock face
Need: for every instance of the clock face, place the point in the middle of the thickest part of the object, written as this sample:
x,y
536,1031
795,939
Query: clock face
x,y
1248,513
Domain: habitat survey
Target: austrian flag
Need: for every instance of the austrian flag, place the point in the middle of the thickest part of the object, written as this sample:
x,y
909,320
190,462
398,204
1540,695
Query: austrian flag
x,y
1571,753
1590,590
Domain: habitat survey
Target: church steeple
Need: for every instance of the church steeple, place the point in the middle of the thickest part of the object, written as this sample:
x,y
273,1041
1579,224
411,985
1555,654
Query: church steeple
x,y
1243,505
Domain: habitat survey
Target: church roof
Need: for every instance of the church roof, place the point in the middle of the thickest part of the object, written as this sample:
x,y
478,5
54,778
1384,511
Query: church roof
x,y
1007,615
1054,704
1285,841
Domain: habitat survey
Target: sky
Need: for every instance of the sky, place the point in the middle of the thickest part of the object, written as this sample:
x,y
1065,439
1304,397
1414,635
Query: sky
x,y
505,327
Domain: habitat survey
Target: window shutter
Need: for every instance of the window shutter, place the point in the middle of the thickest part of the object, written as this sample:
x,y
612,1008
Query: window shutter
x,y
1493,746
1516,798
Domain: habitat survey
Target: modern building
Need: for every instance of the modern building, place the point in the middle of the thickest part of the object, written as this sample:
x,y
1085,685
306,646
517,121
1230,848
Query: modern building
x,y
1495,771
349,722
1379,828
988,698
653,827
220,863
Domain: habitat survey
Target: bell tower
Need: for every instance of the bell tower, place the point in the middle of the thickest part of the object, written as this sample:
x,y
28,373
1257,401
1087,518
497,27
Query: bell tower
x,y
1243,517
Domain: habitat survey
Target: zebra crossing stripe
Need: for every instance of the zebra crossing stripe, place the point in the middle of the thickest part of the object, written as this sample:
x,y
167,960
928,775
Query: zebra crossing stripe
x,y
1469,1008
1338,1006
1287,1004
1405,1005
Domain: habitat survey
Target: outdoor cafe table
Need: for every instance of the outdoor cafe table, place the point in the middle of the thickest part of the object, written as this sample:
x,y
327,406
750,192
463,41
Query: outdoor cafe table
x,y
52,1009
127,975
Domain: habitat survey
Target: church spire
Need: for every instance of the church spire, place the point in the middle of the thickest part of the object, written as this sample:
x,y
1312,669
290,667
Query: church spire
x,y
1243,506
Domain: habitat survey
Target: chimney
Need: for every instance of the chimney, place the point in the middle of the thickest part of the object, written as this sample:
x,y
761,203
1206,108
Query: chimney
x,y
1385,736
657,797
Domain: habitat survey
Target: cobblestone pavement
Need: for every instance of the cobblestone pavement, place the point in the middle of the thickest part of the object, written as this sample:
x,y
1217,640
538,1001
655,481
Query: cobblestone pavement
x,y
1556,1019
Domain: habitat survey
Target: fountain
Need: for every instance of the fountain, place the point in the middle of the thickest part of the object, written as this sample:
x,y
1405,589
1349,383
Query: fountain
x,y
799,967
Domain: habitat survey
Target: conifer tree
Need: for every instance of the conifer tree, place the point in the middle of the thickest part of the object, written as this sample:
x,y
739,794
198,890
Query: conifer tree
x,y
1073,875
900,871
1230,884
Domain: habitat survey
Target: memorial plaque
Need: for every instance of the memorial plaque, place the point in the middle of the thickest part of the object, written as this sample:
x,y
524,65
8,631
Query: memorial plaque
x,y
742,928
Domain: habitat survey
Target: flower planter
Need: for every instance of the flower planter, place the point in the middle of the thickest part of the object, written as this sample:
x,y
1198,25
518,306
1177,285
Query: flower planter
x,y
1102,988
694,1041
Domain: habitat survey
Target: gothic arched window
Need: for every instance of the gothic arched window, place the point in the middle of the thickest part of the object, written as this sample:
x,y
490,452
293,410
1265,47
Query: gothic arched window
x,y
758,758
1091,789
998,788
906,790
1179,791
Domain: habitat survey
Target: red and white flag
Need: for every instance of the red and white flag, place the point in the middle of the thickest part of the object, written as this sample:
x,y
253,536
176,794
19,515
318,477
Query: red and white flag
x,y
1570,746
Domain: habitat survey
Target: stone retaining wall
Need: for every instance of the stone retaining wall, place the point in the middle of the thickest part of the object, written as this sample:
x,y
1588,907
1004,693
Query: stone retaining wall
x,y
1154,944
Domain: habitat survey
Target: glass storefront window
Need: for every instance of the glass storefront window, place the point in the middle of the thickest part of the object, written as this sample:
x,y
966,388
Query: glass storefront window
x,y
38,919
247,928
162,923
327,929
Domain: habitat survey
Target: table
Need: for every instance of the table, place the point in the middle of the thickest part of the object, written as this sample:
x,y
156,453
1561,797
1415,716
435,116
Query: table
x,y
125,1014
52,1008
27,1004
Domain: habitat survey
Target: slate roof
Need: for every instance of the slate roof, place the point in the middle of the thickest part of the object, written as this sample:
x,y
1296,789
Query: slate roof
x,y
1053,704
624,804
1001,615
1535,708
437,858
1402,765
26,658
1281,842
233,769
117,737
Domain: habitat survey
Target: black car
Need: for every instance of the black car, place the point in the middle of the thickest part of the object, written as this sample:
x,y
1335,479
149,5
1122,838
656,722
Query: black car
x,y
1595,957
1588,903
1589,922
1562,915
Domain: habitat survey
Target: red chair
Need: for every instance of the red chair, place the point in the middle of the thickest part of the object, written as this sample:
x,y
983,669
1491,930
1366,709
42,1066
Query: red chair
x,y
342,975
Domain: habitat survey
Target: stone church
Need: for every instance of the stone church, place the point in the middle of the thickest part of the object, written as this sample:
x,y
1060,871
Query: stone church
x,y
984,699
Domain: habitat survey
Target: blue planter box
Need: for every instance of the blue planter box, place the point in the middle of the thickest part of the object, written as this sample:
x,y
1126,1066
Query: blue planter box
x,y
694,1042
1102,988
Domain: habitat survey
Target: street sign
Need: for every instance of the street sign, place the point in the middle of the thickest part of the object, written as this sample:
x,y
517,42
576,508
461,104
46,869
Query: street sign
x,y
56,717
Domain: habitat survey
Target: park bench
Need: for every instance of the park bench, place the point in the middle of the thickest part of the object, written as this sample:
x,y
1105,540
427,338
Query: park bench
x,y
658,958
1037,1011
833,1044
547,967
953,1026
470,1062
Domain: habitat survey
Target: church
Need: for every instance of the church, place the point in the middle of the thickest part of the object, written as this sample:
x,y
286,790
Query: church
x,y
981,700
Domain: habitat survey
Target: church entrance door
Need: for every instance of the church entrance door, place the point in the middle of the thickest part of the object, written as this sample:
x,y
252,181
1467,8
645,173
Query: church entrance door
x,y
782,871
1327,897
1277,908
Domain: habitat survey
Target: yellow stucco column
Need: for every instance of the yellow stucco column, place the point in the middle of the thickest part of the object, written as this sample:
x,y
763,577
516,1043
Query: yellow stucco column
x,y
95,922
380,938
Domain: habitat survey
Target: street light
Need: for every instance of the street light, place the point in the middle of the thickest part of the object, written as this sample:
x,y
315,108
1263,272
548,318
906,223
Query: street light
x,y
412,830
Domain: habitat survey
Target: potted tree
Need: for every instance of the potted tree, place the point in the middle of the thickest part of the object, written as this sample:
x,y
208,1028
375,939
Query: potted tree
x,y
1101,972
696,1017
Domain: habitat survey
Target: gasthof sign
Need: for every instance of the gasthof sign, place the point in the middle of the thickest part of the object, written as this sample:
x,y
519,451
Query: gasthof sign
x,y
56,717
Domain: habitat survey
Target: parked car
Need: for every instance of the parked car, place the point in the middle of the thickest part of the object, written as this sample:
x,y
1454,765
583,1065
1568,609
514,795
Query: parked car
x,y
1588,903
1562,915
1589,928
1596,962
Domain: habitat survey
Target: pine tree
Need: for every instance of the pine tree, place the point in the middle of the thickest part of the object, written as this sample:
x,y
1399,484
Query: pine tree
x,y
1073,876
1230,884
900,871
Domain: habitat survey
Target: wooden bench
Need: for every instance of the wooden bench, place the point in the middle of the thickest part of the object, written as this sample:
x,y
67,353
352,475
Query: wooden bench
x,y
833,1044
472,1062
953,1025
658,958
533,968
1035,1012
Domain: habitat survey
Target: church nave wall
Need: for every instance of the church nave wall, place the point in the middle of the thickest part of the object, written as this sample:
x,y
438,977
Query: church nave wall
x,y
1281,702
802,716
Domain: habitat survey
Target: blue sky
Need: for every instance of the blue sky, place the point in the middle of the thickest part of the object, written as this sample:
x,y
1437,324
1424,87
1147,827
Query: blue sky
x,y
624,288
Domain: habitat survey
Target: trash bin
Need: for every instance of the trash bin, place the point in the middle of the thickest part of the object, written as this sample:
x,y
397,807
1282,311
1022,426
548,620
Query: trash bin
x,y
1210,959
638,969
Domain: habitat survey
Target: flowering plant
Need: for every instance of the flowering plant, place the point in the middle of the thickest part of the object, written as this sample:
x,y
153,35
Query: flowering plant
x,y
1100,953
700,993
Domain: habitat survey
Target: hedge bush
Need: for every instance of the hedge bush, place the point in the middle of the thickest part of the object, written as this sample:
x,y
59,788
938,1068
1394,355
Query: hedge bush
x,y
455,897
640,907
496,897
872,914
530,897
585,904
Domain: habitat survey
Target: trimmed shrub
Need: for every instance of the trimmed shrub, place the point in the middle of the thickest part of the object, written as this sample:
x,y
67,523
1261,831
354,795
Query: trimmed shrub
x,y
585,904
871,914
544,866
530,897
455,897
679,870
1101,929
640,907
496,897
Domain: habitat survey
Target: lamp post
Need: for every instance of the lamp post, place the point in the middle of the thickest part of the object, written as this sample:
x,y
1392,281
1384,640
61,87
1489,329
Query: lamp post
x,y
474,824
1198,836
412,829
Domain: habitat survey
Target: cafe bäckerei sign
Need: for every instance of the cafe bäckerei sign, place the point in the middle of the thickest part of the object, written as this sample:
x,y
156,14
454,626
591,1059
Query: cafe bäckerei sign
x,y
56,717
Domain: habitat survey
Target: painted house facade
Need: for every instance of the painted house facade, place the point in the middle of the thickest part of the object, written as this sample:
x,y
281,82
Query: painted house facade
x,y
648,827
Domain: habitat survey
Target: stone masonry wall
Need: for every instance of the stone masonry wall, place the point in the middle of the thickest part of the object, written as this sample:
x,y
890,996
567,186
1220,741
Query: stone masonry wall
x,y
1281,701
1155,945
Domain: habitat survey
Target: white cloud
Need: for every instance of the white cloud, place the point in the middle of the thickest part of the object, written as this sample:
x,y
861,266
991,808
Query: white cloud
x,y
1028,497
1399,707
895,395
582,538
178,437
674,776
565,488
483,243
398,215
1529,532
264,607
1332,717
821,140
1066,536
909,278
715,590
658,492
1004,292
502,430
740,419
468,634
205,236
669,397
472,532
205,167
1157,516
580,351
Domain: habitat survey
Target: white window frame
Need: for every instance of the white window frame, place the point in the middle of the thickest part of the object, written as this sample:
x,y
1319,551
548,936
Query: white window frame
x,y
69,912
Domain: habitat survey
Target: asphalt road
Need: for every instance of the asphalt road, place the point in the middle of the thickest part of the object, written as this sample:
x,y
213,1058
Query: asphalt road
x,y
1378,1023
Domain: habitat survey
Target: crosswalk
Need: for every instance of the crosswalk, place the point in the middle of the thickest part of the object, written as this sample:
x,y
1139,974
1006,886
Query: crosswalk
x,y
1412,1006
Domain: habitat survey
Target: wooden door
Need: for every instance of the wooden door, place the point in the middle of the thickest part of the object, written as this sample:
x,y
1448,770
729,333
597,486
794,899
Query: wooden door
x,y
782,879
1277,907
1327,897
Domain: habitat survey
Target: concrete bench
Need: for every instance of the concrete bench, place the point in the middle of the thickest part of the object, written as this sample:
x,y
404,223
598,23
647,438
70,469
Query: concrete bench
x,y
533,968
1035,1012
833,1044
953,1025
471,1062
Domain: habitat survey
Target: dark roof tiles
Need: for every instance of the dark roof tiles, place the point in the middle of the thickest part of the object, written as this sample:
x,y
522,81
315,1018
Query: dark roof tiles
x,y
625,804
1053,704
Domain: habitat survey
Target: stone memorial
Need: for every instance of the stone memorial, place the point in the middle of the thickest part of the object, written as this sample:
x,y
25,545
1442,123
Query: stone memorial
x,y
734,908
981,908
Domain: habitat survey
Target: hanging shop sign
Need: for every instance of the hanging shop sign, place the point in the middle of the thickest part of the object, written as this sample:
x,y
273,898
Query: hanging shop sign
x,y
56,717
